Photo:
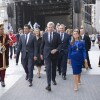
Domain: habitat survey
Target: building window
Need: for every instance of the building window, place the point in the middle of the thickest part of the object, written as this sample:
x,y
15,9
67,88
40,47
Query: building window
x,y
5,0
2,13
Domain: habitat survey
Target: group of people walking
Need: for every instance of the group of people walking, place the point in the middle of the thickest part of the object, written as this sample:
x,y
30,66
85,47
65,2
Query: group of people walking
x,y
53,49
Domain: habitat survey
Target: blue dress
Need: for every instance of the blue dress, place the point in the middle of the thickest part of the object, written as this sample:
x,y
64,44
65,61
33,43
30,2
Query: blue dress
x,y
77,55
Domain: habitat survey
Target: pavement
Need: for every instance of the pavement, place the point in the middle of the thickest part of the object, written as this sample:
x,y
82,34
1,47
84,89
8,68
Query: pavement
x,y
17,88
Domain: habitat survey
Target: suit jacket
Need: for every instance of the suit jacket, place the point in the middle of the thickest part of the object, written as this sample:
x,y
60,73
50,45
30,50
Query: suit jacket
x,y
17,37
46,46
29,48
65,43
87,40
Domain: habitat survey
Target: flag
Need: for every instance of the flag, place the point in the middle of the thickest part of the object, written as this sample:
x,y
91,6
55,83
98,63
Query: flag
x,y
29,23
10,27
36,25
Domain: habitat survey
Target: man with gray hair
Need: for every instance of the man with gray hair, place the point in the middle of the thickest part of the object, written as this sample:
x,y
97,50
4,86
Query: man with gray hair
x,y
87,41
51,44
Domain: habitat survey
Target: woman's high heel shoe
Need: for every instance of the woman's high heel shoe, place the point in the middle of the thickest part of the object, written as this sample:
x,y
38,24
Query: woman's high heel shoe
x,y
39,76
75,89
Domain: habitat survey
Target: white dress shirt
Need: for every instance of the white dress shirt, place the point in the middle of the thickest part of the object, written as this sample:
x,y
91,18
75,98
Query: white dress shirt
x,y
49,36
62,36
82,36
28,35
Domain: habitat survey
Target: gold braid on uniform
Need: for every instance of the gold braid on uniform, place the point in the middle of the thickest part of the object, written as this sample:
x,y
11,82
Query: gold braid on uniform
x,y
3,49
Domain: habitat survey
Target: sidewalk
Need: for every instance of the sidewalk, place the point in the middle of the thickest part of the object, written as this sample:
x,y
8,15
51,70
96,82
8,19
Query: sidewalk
x,y
17,87
89,90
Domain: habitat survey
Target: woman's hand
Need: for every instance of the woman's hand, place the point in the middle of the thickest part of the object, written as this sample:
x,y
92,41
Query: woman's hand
x,y
85,60
35,58
41,56
86,64
15,56
68,61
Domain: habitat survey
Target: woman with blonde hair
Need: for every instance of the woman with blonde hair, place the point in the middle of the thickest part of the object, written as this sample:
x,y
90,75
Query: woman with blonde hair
x,y
38,60
69,31
76,57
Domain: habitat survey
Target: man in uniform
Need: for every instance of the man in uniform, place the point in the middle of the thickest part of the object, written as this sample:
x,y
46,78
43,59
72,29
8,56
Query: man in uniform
x,y
4,54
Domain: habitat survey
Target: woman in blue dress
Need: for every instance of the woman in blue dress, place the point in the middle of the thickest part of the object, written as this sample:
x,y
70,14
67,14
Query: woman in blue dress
x,y
76,57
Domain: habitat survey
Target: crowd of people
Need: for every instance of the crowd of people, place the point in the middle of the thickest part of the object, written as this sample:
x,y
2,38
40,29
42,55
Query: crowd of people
x,y
53,48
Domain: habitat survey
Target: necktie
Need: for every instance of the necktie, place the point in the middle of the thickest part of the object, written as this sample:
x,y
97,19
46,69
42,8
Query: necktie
x,y
61,36
50,37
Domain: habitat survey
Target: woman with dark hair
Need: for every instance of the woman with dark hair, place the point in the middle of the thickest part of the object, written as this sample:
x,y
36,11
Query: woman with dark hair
x,y
77,56
38,40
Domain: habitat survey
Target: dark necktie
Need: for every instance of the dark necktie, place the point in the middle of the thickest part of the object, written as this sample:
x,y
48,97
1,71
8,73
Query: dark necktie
x,y
50,37
61,36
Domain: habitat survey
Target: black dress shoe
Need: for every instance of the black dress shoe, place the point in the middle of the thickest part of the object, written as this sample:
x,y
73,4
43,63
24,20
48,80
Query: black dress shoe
x,y
30,83
64,77
90,67
45,69
10,57
39,76
48,88
2,84
26,77
59,73
54,83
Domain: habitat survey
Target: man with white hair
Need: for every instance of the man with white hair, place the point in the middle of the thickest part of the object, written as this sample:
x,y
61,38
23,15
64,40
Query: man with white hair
x,y
87,41
51,44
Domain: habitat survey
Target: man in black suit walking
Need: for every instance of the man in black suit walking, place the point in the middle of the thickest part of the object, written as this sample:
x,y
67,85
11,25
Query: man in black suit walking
x,y
51,44
87,40
63,53
27,48
20,32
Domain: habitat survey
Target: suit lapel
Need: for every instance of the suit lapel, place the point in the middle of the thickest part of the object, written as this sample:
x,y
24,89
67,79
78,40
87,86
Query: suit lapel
x,y
53,37
24,39
64,37
47,37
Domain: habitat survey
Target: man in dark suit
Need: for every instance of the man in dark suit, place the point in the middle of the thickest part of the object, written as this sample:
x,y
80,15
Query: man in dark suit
x,y
87,40
49,50
20,32
63,53
26,46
